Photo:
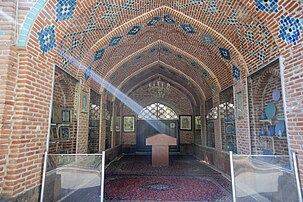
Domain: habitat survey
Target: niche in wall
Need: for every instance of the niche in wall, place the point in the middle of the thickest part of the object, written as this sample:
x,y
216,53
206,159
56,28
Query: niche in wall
x,y
211,115
227,120
94,122
267,124
63,128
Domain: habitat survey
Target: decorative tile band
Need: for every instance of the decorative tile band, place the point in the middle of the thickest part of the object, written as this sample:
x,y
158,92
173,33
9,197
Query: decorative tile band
x,y
28,22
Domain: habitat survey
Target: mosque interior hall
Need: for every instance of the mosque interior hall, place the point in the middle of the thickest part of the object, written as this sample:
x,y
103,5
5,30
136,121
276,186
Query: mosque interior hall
x,y
148,100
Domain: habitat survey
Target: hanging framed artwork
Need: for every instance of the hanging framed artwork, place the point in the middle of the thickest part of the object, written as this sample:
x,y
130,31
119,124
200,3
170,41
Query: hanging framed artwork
x,y
129,123
240,104
185,122
198,122
84,101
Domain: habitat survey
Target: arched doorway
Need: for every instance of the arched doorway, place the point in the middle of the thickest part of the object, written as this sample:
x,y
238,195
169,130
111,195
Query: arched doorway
x,y
156,118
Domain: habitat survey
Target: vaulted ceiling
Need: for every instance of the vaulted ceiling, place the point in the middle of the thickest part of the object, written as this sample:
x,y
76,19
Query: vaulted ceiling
x,y
208,43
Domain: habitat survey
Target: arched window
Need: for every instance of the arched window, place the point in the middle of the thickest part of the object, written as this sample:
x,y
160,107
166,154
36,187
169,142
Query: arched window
x,y
157,111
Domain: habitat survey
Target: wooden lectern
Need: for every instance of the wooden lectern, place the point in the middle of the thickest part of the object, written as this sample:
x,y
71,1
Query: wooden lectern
x,y
160,143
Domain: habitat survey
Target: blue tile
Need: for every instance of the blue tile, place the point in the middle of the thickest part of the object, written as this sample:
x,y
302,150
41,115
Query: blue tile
x,y
225,53
134,30
65,9
236,73
188,28
168,19
99,54
290,29
87,73
115,40
153,21
47,39
267,5
207,39
2,32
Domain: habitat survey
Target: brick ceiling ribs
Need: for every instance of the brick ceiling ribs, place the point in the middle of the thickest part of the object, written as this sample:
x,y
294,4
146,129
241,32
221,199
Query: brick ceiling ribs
x,y
212,42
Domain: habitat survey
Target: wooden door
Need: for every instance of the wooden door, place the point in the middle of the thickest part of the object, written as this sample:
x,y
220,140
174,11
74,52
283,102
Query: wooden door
x,y
148,128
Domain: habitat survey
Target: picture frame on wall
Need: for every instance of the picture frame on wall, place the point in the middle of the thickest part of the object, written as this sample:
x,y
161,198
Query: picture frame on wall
x,y
54,132
65,116
185,122
64,133
56,115
198,122
129,123
240,104
118,123
84,101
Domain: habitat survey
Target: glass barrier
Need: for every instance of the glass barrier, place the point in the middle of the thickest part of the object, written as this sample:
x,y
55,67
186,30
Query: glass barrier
x,y
264,178
73,177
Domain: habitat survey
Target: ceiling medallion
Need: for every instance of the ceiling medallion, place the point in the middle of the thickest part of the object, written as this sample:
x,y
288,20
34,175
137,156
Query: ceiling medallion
x,y
158,88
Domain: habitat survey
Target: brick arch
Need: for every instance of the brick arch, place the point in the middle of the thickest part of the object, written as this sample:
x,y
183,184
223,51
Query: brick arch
x,y
84,7
122,29
214,79
177,86
266,74
146,68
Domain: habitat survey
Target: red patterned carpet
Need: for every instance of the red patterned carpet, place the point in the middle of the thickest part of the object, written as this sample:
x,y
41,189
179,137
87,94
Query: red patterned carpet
x,y
132,178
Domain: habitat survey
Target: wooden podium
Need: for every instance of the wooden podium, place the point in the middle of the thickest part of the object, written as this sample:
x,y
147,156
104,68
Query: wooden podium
x,y
160,143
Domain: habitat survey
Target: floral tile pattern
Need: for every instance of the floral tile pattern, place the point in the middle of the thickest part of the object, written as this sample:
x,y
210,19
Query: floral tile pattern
x,y
290,29
267,5
236,72
134,30
188,28
99,54
225,53
115,40
65,9
47,39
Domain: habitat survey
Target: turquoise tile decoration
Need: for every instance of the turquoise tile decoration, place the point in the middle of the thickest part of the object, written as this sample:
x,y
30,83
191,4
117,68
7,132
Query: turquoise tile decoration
x,y
249,36
213,88
267,5
153,21
207,39
65,9
115,40
47,39
87,73
134,30
290,29
212,8
205,74
236,73
28,22
168,19
188,28
225,53
99,54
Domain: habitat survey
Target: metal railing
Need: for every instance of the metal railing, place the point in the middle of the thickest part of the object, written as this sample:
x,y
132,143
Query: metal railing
x,y
265,178
73,177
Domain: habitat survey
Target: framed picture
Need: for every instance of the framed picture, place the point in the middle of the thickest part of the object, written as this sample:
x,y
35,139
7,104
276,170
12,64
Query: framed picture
x,y
185,122
198,122
56,115
240,104
64,133
54,133
118,123
84,101
65,116
129,123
